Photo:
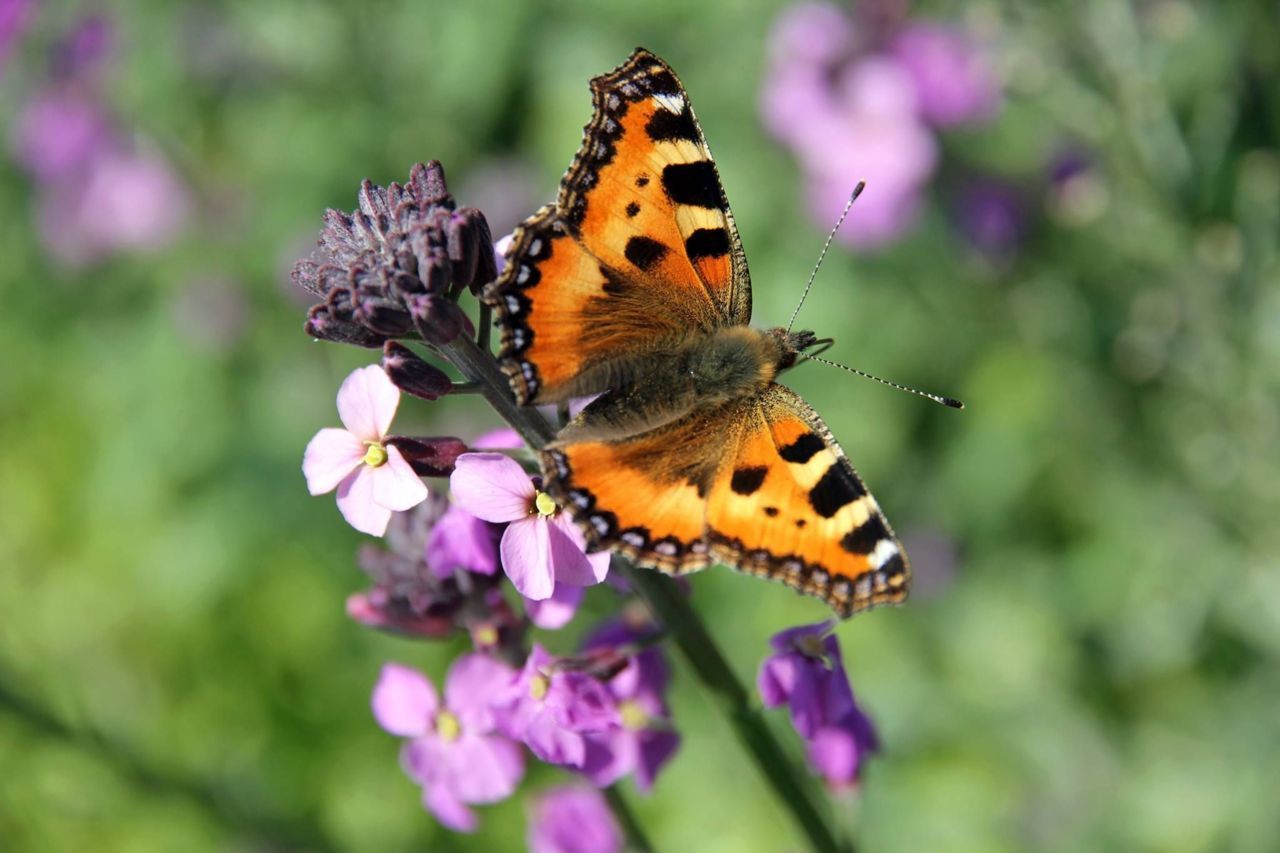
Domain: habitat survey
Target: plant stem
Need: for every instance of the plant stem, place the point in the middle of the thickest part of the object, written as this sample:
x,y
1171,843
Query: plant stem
x,y
682,621
637,842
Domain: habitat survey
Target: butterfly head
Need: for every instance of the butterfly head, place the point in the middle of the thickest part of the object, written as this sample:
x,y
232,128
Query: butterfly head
x,y
792,346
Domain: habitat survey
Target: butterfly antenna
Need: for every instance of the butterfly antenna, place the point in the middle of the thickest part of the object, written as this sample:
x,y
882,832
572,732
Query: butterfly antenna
x,y
937,398
857,191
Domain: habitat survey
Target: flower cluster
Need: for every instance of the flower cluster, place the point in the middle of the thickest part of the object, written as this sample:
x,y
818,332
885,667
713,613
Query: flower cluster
x,y
806,673
102,189
862,96
457,556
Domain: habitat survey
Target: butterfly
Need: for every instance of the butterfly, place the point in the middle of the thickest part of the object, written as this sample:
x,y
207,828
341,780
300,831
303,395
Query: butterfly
x,y
633,286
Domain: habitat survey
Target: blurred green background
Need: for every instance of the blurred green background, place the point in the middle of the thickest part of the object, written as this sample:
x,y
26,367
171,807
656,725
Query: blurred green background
x,y
1089,658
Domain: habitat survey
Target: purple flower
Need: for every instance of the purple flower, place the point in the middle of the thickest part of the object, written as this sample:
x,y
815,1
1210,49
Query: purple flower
x,y
122,201
991,215
550,709
15,16
955,82
59,132
453,751
460,541
556,611
807,673
646,740
541,546
573,819
372,477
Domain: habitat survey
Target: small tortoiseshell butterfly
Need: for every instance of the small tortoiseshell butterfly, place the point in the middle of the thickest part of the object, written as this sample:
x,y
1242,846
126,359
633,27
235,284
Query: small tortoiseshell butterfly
x,y
634,286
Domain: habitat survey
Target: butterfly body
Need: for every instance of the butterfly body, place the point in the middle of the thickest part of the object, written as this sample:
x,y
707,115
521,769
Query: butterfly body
x,y
634,286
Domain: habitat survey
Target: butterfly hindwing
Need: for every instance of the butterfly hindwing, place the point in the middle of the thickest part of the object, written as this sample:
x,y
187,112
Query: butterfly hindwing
x,y
758,484
788,505
640,248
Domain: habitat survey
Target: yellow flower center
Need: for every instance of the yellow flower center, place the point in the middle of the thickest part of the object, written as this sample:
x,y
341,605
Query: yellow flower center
x,y
485,636
633,716
447,726
539,686
543,503
376,455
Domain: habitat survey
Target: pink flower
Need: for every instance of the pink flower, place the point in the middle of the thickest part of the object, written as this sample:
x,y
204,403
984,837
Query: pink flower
x,y
372,477
954,78
573,820
541,546
454,752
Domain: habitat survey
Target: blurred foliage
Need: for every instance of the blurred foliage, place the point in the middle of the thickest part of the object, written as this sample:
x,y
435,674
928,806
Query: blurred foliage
x,y
1090,659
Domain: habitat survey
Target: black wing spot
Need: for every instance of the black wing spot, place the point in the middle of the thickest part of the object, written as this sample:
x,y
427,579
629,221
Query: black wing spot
x,y
694,184
803,448
665,125
747,481
707,243
644,252
800,523
633,209
642,181
863,539
836,489
771,511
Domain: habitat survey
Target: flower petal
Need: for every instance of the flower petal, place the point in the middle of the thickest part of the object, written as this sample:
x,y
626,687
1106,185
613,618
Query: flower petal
x,y
355,501
777,679
395,486
330,456
656,749
473,682
448,809
499,439
491,486
459,540
485,768
571,565
404,701
556,611
526,558
367,402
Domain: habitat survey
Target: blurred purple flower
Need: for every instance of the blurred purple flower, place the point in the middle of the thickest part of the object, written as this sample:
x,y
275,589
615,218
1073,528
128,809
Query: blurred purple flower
x,y
558,610
123,201
454,752
991,215
853,105
83,49
371,476
954,79
15,17
541,547
550,709
573,819
59,132
646,739
807,673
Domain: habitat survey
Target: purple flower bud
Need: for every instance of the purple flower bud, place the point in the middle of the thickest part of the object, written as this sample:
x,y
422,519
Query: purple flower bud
x,y
412,374
437,319
323,325
573,820
429,457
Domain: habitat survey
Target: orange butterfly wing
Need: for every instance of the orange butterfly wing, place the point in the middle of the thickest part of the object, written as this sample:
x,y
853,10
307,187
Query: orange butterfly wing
x,y
787,505
639,250
758,484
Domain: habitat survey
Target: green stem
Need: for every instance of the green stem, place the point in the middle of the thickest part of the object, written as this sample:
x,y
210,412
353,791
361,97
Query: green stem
x,y
685,625
637,842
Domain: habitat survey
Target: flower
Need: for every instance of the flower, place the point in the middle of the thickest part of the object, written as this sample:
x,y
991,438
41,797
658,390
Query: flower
x,y
453,751
645,741
393,267
550,709
372,477
556,611
806,672
460,541
955,83
541,546
573,819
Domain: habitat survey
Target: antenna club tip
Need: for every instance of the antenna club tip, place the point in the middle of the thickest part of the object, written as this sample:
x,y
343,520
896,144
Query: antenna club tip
x,y
857,190
953,403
